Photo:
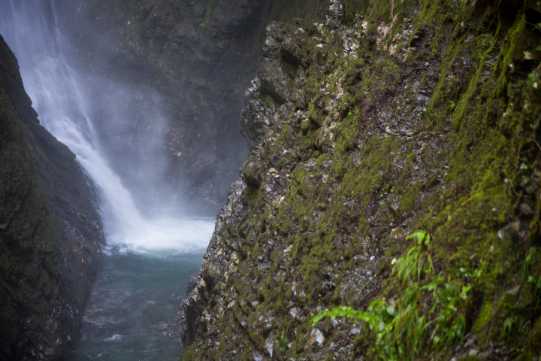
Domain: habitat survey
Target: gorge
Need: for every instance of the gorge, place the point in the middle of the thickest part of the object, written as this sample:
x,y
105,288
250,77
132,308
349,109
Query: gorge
x,y
387,204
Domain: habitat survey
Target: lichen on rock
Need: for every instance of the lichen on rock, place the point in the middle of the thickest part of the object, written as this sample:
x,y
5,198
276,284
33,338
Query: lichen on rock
x,y
409,115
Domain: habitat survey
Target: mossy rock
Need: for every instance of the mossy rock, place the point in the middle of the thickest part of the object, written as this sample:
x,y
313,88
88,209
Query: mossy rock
x,y
458,174
469,358
483,319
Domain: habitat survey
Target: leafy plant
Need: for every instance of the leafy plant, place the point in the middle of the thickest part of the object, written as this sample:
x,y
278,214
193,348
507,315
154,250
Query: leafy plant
x,y
427,317
508,323
283,342
531,274
412,266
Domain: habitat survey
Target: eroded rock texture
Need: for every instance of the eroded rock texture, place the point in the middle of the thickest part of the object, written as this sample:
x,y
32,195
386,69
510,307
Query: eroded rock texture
x,y
50,233
409,115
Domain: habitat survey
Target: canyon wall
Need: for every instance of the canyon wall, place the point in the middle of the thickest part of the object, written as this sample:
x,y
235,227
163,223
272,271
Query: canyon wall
x,y
50,232
393,178
181,69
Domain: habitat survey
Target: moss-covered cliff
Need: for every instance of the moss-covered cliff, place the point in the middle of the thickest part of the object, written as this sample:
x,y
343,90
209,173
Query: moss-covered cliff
x,y
50,233
390,117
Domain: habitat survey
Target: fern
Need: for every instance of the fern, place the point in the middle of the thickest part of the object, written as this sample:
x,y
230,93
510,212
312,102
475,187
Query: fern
x,y
401,333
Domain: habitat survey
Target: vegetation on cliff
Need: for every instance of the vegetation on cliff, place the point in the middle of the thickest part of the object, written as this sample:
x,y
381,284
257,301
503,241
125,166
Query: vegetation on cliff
x,y
415,115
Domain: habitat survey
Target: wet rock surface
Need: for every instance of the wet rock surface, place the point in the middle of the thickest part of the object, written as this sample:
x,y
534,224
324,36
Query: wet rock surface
x,y
50,232
361,132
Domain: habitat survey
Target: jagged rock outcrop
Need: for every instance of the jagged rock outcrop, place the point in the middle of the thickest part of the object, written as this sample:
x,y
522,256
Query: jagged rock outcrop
x,y
411,115
50,232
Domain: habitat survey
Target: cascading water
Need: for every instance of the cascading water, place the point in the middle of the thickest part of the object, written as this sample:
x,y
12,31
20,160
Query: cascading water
x,y
140,286
55,90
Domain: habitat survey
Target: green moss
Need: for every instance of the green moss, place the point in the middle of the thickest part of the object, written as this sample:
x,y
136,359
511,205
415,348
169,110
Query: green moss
x,y
533,338
469,358
408,202
371,29
483,319
459,178
204,22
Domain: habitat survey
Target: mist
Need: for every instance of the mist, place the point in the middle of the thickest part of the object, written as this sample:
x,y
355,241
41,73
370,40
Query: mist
x,y
178,96
117,131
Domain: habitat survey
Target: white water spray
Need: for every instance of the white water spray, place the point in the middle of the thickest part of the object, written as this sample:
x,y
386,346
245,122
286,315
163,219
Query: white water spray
x,y
57,92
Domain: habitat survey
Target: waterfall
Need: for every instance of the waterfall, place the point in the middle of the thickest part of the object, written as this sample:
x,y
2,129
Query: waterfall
x,y
59,96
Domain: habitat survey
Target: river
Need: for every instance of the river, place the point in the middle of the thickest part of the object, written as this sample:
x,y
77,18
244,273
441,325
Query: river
x,y
132,306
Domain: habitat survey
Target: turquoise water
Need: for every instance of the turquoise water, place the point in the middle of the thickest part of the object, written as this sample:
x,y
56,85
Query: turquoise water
x,y
133,305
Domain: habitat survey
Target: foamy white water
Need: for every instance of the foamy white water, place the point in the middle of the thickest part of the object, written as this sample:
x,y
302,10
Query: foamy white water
x,y
58,94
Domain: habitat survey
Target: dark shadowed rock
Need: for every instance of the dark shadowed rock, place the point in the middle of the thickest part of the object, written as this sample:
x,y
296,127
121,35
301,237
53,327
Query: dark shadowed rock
x,y
50,232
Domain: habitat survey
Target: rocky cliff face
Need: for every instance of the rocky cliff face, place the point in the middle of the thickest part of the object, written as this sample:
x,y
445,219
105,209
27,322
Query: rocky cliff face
x,y
50,233
408,116
182,67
